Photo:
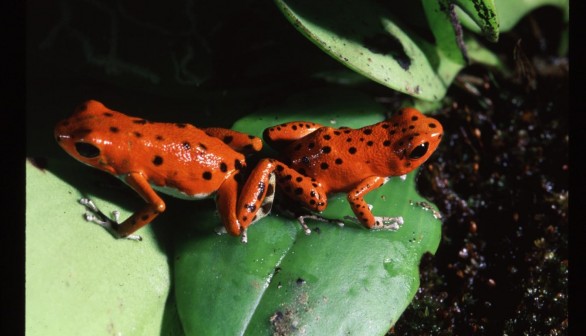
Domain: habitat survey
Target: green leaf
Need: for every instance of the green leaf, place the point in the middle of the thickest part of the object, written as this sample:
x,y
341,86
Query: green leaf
x,y
483,14
509,12
365,37
371,39
79,280
438,17
338,280
82,281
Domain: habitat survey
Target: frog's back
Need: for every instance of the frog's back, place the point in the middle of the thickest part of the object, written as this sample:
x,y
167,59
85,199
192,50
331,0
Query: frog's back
x,y
173,155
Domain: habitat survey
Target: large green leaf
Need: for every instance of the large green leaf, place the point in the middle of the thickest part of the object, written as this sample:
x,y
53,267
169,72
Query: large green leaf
x,y
366,37
82,281
79,280
483,13
509,12
338,280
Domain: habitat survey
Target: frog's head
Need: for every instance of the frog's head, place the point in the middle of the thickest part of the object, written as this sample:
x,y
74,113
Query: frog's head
x,y
418,138
85,136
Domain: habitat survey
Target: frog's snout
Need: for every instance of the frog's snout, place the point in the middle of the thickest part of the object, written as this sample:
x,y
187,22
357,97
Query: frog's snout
x,y
59,134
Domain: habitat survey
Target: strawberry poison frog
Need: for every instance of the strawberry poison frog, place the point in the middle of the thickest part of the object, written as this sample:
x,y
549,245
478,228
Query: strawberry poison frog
x,y
174,158
320,160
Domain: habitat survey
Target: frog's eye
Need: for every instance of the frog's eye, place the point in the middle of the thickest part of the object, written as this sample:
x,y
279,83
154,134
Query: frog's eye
x,y
419,151
87,150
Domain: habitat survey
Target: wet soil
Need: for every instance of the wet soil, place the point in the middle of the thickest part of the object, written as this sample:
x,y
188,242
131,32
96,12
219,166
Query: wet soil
x,y
501,182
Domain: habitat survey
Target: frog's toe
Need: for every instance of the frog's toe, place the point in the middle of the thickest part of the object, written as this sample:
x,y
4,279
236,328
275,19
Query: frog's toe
x,y
319,218
91,217
116,216
220,230
301,220
96,216
89,204
388,223
244,236
352,219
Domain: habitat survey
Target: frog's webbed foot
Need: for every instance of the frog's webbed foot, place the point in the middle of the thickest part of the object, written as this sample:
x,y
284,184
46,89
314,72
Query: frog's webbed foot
x,y
353,220
244,237
307,230
382,223
301,220
221,229
388,223
96,216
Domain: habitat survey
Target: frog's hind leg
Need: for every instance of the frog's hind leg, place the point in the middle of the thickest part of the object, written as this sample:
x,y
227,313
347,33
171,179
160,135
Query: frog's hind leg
x,y
257,192
281,135
242,203
305,191
226,201
300,188
255,200
238,141
267,203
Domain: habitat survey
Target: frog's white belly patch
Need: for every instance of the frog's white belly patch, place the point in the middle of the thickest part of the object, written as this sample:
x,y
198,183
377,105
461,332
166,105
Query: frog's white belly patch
x,y
180,194
173,191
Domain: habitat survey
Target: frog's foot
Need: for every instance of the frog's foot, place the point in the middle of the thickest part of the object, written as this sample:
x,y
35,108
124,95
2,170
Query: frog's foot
x,y
382,223
388,223
307,230
352,219
301,220
96,216
220,230
244,237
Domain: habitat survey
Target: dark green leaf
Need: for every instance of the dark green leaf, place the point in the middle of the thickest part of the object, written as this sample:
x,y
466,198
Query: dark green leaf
x,y
338,280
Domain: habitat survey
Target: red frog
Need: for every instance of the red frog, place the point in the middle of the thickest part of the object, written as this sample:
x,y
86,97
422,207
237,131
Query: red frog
x,y
321,160
174,158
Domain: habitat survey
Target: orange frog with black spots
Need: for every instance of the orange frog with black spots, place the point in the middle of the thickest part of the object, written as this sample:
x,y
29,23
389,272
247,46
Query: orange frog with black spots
x,y
320,160
174,158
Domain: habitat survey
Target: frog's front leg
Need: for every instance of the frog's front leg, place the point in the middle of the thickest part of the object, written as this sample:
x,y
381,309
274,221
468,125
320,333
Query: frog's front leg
x,y
226,200
140,218
362,210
